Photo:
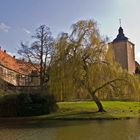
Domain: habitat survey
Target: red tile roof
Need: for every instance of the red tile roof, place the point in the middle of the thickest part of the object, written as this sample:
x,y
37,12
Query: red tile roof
x,y
14,64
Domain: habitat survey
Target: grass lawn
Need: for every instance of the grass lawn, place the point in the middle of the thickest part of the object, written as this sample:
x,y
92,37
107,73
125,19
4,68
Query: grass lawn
x,y
87,111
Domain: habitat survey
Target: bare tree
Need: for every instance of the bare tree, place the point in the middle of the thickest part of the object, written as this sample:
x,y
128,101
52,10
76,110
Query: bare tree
x,y
39,53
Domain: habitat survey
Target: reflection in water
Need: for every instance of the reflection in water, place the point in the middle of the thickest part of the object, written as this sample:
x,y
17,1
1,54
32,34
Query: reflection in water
x,y
74,130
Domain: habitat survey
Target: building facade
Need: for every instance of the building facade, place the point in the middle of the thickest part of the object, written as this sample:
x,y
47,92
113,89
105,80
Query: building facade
x,y
124,52
17,72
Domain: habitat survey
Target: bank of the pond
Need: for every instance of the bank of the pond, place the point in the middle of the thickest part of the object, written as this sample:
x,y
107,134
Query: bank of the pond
x,y
86,111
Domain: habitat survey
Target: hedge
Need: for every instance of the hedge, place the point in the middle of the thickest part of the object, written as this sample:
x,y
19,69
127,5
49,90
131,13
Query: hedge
x,y
15,105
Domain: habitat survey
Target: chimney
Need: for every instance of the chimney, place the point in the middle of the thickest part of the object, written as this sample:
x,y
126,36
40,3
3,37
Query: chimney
x,y
4,51
14,57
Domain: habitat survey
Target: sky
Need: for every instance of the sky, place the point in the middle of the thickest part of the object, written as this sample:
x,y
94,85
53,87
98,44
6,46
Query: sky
x,y
20,18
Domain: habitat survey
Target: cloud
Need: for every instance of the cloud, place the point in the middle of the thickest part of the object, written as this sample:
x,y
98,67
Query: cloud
x,y
4,27
26,31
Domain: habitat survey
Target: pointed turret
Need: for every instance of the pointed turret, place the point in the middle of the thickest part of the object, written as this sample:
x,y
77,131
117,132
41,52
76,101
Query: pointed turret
x,y
120,36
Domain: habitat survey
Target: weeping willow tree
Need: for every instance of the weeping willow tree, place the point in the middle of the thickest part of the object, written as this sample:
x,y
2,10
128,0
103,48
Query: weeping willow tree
x,y
83,62
61,71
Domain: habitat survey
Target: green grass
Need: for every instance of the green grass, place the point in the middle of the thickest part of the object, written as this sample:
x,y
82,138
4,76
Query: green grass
x,y
88,110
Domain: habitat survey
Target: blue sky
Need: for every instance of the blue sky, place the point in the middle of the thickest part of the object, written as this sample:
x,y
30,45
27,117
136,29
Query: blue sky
x,y
20,18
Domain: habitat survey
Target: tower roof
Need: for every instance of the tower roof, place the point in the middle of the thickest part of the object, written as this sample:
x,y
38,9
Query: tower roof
x,y
120,36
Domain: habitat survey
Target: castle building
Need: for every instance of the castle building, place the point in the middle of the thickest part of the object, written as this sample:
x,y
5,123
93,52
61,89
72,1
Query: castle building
x,y
124,51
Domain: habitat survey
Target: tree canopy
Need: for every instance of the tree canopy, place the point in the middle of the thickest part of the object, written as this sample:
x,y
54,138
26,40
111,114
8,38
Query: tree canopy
x,y
83,62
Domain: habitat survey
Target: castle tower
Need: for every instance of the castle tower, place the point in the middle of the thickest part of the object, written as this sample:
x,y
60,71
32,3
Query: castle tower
x,y
124,51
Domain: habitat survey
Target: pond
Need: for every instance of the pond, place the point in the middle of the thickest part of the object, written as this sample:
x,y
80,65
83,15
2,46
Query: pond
x,y
72,130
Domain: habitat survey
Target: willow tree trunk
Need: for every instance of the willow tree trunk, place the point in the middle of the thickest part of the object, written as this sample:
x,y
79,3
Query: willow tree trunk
x,y
98,103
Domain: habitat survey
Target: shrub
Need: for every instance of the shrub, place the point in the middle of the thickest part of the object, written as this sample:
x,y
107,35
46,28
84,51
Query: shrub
x,y
26,105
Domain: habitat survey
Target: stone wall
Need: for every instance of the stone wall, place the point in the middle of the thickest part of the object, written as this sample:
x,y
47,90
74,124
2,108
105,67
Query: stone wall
x,y
120,53
124,55
131,57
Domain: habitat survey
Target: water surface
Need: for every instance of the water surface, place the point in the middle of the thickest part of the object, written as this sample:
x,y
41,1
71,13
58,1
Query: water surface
x,y
73,130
